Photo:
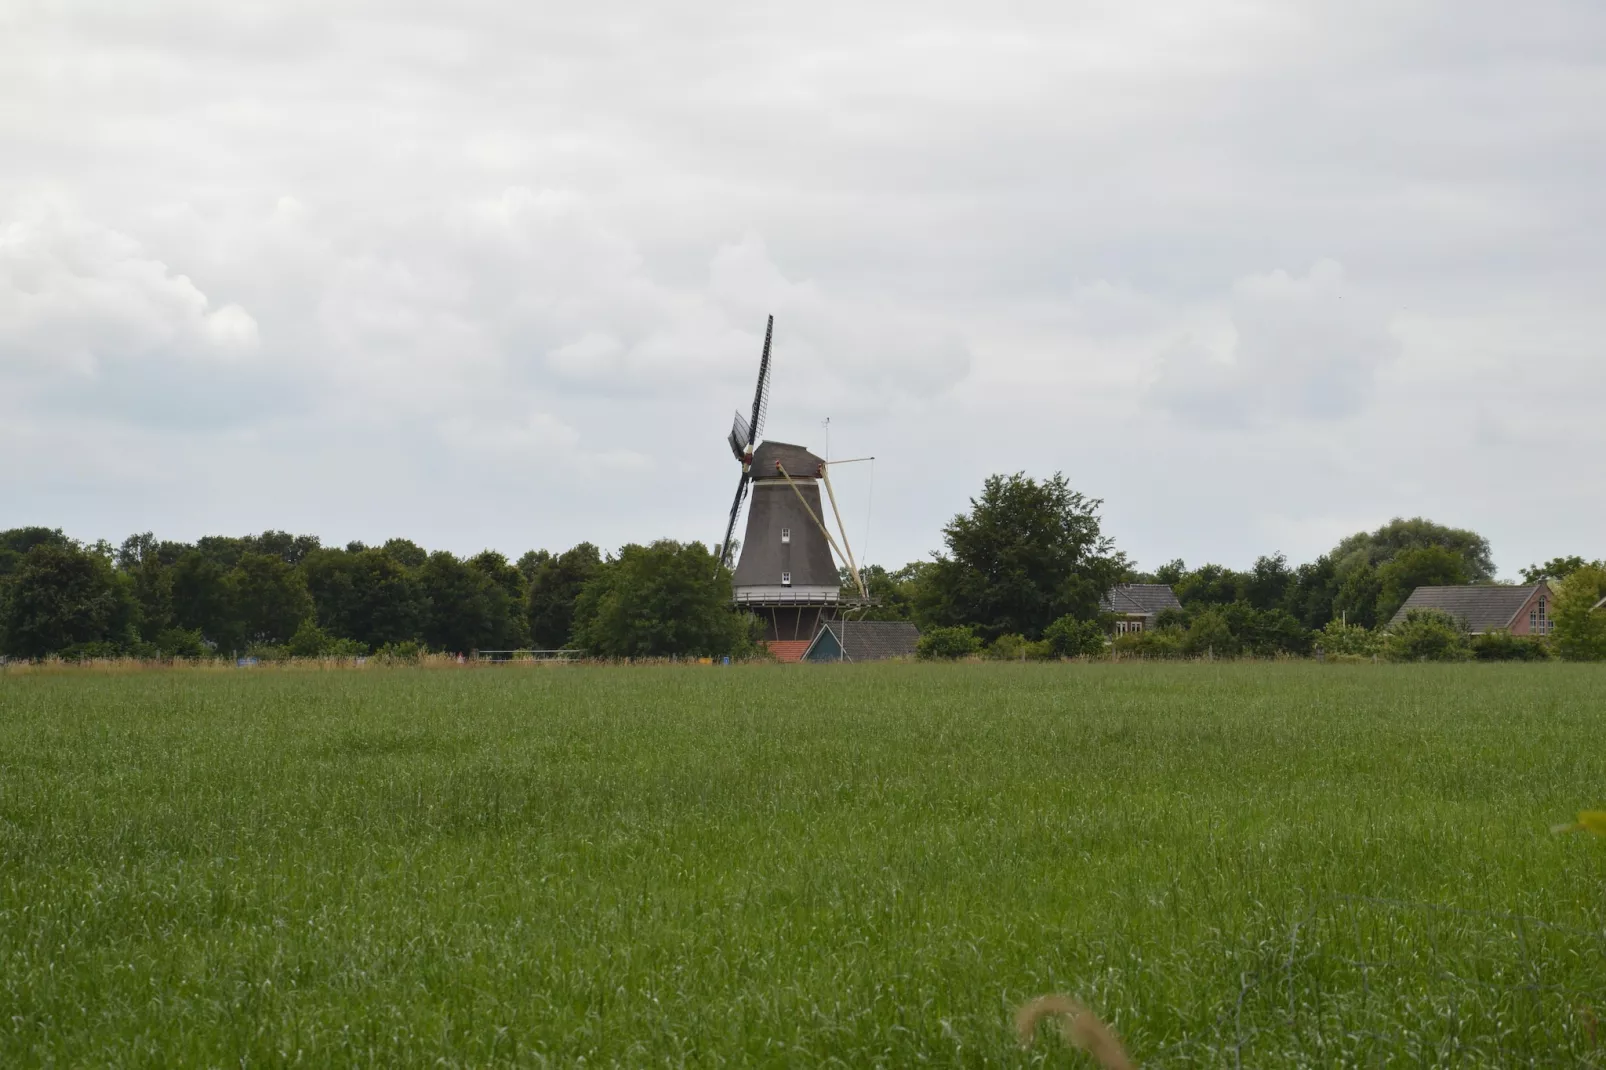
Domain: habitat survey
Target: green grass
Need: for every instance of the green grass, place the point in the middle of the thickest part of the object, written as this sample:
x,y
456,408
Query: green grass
x,y
855,865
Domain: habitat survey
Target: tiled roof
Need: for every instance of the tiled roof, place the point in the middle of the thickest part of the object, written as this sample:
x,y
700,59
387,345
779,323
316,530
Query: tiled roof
x,y
873,640
787,649
1134,598
1480,607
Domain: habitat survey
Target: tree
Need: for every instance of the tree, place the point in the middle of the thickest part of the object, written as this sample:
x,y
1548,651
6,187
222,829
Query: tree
x,y
270,598
468,609
203,599
1580,629
291,549
530,563
1423,566
1381,546
1210,634
1557,568
1266,585
1311,593
368,596
1356,600
895,593
62,596
947,644
553,592
1210,585
406,552
665,599
1427,635
1025,555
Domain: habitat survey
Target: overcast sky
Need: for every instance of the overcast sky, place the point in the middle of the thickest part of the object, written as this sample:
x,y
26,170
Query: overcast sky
x,y
1257,274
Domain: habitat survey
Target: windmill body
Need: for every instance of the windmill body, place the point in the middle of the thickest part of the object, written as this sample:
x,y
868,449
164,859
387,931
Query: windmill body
x,y
786,573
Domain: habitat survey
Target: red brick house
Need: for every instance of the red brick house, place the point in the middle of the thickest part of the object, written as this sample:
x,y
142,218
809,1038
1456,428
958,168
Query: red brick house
x,y
1487,607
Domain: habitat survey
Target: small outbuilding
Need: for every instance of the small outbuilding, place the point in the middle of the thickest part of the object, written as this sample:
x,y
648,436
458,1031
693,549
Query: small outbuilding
x,y
1521,609
863,640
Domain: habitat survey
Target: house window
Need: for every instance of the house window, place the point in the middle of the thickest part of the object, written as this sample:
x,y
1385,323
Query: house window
x,y
786,534
786,579
1125,627
1540,623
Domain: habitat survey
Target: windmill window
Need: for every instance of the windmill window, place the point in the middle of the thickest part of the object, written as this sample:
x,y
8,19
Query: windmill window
x,y
786,579
786,534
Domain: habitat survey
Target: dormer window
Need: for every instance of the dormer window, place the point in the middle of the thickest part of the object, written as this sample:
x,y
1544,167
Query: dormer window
x,y
786,579
786,534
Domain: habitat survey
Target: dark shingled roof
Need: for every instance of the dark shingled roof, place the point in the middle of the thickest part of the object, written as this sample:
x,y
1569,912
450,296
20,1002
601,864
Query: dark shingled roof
x,y
870,640
1145,598
1480,607
799,462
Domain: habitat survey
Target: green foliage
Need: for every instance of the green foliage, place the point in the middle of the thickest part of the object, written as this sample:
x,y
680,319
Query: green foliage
x,y
63,597
1501,645
1007,648
1383,545
270,598
311,641
1210,634
1357,597
1151,643
947,643
1423,566
405,652
1072,638
1580,628
1558,568
1025,555
201,595
181,643
1340,638
666,599
1209,585
367,596
897,593
555,588
469,607
1427,635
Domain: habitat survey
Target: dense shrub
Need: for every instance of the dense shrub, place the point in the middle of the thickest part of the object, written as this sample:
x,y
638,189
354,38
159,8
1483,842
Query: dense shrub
x,y
1068,637
1011,647
1340,638
1154,643
958,641
1427,635
1503,646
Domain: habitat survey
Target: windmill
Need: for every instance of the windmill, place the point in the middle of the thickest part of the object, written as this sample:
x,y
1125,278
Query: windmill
x,y
786,572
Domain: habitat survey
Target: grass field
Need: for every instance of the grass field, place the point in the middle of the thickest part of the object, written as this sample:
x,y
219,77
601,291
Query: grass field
x,y
1265,864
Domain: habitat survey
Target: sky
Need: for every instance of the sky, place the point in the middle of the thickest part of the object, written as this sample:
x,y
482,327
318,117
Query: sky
x,y
495,274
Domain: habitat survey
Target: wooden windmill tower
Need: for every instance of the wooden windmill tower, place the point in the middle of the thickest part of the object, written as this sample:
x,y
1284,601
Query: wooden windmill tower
x,y
787,573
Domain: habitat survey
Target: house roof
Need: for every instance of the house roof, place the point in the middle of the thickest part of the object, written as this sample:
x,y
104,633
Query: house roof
x,y
871,640
798,461
1139,598
1480,607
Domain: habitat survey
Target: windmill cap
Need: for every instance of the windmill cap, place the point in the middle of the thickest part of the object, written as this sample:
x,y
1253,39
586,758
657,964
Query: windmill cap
x,y
797,460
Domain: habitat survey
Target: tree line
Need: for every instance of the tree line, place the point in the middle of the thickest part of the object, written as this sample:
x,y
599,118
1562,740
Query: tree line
x,y
1022,574
277,595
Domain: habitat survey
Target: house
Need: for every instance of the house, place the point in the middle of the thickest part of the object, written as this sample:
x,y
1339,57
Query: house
x,y
863,640
1487,607
1136,605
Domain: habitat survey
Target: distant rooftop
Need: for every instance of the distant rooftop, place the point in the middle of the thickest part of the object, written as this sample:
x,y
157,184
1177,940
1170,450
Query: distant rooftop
x,y
1146,599
1480,607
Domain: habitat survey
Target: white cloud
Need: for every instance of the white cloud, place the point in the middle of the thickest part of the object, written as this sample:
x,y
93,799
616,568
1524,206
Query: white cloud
x,y
75,296
1301,348
447,266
